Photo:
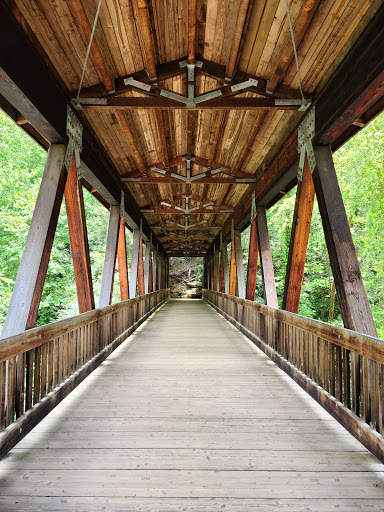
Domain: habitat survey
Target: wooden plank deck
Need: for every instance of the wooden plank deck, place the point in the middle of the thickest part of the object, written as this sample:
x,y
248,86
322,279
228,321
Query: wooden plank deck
x,y
187,415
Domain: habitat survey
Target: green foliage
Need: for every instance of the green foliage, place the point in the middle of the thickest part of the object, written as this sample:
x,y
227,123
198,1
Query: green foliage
x,y
21,168
360,170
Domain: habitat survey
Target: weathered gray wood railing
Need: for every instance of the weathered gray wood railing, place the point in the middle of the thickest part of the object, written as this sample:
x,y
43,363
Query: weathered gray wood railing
x,y
40,367
341,369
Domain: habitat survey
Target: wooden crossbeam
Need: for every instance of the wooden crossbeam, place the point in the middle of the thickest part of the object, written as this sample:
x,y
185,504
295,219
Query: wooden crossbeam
x,y
163,103
204,179
174,211
173,69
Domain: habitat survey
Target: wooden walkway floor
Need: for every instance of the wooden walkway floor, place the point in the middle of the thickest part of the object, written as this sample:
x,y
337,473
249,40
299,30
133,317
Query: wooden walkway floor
x,y
187,415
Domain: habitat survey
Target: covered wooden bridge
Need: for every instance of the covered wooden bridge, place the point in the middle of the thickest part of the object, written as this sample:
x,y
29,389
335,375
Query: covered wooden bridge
x,y
188,119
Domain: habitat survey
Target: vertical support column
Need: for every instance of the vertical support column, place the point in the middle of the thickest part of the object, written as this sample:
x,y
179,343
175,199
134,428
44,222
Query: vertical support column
x,y
122,261
232,276
354,304
239,265
146,266
29,283
155,270
214,270
224,269
353,299
110,258
270,294
140,268
252,261
150,273
217,266
297,255
134,263
79,240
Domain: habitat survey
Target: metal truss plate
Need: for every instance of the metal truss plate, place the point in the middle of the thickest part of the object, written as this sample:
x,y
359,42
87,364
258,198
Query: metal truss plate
x,y
75,143
306,133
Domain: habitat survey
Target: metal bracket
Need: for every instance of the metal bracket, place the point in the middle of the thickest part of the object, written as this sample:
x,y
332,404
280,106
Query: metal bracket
x,y
251,82
75,142
122,207
253,206
306,133
138,85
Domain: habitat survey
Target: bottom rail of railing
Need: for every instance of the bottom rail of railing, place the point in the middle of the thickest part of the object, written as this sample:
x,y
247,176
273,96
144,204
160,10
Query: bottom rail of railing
x,y
303,357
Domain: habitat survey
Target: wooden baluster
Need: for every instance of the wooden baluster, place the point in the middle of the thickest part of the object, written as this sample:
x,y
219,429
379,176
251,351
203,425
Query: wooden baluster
x,y
20,380
2,394
43,378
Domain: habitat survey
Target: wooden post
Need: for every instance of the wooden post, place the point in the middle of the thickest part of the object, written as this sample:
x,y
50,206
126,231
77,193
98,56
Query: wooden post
x,y
224,260
146,266
239,265
354,304
150,274
217,267
134,263
232,276
355,308
266,258
110,258
301,226
140,268
155,270
122,261
214,270
252,262
79,240
26,295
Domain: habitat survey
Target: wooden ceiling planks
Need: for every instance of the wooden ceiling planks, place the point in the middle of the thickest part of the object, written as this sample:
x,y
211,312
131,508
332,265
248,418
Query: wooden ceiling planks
x,y
250,36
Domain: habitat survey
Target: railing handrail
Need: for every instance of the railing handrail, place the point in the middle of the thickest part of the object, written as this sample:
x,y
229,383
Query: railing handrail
x,y
32,338
362,344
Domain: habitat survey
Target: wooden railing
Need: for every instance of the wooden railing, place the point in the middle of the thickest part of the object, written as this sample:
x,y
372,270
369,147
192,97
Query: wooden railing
x,y
342,369
40,367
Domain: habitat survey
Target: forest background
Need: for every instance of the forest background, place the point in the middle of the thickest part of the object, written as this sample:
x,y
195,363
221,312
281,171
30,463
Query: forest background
x,y
360,170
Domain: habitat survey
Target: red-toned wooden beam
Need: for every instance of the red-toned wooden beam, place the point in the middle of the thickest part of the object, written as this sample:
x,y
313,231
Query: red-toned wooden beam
x,y
140,269
79,241
147,37
241,16
301,226
252,261
122,261
232,275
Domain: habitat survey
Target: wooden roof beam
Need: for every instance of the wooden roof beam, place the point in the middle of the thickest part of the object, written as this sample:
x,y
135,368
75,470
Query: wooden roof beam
x,y
240,22
81,17
192,5
303,20
204,179
124,125
147,37
175,211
